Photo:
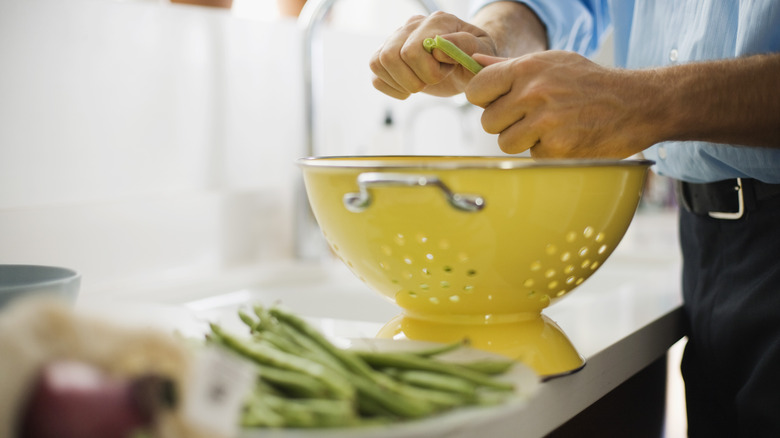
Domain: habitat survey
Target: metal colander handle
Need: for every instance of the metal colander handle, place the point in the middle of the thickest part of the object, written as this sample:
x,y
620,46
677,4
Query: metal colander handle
x,y
357,202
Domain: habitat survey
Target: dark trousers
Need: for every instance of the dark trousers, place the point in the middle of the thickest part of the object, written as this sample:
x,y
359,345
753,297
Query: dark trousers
x,y
731,287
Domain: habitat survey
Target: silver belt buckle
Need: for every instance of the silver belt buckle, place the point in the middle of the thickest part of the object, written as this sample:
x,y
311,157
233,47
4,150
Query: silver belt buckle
x,y
741,202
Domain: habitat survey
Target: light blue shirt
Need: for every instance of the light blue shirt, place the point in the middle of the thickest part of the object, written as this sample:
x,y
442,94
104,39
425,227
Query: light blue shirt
x,y
651,33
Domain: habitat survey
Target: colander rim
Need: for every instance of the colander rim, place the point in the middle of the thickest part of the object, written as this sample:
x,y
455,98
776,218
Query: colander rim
x,y
455,162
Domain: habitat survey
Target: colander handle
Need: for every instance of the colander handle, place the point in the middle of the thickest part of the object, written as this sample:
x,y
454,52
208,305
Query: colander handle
x,y
357,202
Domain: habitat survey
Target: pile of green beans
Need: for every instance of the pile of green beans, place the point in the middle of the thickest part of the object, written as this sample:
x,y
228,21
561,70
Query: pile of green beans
x,y
305,381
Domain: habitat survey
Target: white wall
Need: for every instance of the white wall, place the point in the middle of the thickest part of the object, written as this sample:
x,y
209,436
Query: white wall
x,y
144,139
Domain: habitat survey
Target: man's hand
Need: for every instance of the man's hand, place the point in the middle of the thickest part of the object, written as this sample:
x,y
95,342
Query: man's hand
x,y
402,66
559,104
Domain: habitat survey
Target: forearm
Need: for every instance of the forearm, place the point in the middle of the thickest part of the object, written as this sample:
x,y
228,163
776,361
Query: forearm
x,y
515,29
731,101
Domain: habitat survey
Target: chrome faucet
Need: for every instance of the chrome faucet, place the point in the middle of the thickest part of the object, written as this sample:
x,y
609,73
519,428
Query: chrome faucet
x,y
309,244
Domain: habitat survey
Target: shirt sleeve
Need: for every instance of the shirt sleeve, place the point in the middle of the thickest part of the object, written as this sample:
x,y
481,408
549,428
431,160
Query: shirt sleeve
x,y
575,25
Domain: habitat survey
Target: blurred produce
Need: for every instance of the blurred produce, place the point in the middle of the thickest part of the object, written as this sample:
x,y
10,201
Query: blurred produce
x,y
76,400
76,373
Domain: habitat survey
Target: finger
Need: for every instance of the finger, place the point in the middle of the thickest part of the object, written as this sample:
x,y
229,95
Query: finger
x,y
389,90
383,81
395,70
426,68
486,60
491,83
388,64
517,138
433,68
502,113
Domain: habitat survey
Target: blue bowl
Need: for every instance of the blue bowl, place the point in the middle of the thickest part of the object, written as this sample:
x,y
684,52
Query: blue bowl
x,y
19,281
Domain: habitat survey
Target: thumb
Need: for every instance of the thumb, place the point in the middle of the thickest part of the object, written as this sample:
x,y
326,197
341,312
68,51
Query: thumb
x,y
486,60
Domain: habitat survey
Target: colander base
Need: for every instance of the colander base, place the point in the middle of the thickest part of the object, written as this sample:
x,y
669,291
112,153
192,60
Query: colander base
x,y
537,342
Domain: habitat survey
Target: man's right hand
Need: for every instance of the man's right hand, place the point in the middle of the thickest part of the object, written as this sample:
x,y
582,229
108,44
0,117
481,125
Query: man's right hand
x,y
402,66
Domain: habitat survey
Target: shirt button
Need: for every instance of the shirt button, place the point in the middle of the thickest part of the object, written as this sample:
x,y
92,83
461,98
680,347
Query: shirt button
x,y
673,55
661,152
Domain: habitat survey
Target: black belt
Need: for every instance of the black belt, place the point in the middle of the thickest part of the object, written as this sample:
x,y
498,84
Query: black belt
x,y
728,199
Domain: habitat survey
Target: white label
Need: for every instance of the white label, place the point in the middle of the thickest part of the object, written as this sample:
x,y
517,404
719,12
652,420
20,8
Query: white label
x,y
219,385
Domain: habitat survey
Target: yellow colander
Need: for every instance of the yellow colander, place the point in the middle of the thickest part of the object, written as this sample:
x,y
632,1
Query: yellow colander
x,y
475,246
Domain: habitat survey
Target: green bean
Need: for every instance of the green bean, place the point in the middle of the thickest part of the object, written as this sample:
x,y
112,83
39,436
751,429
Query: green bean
x,y
410,361
312,412
437,381
453,52
257,413
281,342
349,360
270,410
269,356
312,349
292,382
398,405
266,321
248,320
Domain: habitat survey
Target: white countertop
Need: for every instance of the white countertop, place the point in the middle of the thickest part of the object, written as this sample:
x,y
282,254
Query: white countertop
x,y
627,315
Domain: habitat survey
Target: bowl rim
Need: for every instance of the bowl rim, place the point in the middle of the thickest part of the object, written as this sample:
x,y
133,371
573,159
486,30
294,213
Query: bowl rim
x,y
67,275
457,162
